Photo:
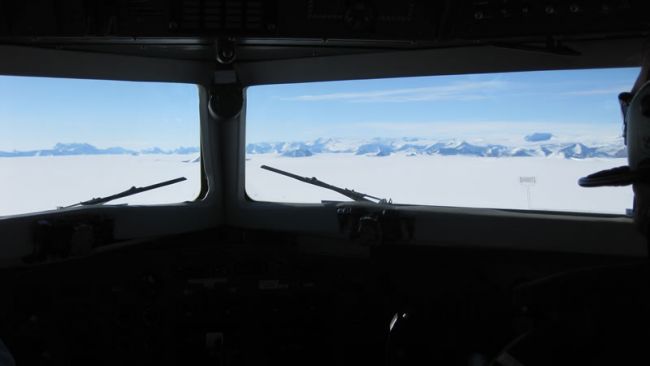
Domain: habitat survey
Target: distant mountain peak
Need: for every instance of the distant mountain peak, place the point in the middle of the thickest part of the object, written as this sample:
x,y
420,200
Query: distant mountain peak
x,y
62,145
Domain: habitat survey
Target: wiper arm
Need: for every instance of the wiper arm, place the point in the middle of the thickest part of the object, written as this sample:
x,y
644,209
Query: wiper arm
x,y
350,193
129,192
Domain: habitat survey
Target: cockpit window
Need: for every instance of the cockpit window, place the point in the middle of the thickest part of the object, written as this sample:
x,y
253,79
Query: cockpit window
x,y
66,141
516,140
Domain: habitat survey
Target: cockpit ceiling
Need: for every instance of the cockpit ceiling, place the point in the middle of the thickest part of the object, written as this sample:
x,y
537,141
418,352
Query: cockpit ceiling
x,y
281,29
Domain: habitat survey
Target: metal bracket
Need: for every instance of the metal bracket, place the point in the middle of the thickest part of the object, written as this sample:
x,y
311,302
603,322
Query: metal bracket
x,y
226,101
375,226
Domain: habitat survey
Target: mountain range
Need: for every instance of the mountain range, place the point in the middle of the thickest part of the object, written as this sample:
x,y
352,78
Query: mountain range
x,y
537,144
62,149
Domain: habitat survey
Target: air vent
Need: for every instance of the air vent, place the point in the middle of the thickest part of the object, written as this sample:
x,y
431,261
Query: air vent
x,y
190,17
369,18
220,15
137,17
144,9
213,15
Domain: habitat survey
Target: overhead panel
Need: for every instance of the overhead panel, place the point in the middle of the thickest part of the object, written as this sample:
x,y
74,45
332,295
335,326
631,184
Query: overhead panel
x,y
409,21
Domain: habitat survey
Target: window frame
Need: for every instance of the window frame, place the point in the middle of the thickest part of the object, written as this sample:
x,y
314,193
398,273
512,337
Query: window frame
x,y
247,198
203,189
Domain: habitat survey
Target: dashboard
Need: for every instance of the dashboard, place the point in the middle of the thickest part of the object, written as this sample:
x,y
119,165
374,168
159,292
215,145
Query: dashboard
x,y
243,298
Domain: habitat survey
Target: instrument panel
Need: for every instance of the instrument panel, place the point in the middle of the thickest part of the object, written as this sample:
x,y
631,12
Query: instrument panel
x,y
410,20
205,299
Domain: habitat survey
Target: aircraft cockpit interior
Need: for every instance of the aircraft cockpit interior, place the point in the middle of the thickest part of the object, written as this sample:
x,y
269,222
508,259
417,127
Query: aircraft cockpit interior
x,y
324,182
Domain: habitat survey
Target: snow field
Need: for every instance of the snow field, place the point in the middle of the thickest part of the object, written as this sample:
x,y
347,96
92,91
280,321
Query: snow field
x,y
443,181
31,184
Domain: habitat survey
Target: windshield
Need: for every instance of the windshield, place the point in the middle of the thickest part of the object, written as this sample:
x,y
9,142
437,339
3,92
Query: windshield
x,y
506,140
65,141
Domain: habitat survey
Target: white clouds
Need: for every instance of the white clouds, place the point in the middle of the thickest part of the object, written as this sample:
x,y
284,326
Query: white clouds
x,y
471,90
598,91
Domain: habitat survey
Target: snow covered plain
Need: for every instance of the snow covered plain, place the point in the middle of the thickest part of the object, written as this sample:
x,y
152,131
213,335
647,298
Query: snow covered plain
x,y
464,181
39,183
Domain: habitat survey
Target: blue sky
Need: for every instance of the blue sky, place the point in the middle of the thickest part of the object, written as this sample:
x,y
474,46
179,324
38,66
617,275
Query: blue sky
x,y
36,113
458,106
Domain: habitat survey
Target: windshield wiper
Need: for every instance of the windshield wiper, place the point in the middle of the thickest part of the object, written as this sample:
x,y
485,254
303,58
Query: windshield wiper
x,y
350,193
129,192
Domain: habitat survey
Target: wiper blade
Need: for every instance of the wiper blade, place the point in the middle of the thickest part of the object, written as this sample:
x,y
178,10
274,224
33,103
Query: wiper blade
x,y
129,192
350,193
